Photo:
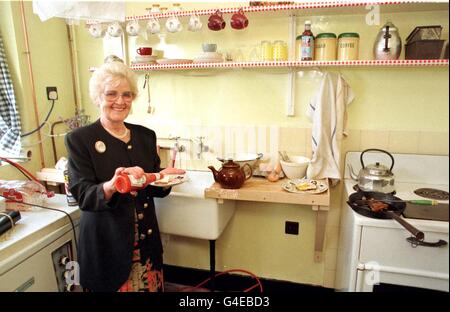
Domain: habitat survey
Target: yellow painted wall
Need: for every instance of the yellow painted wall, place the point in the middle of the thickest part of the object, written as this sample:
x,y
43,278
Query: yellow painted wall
x,y
399,109
49,50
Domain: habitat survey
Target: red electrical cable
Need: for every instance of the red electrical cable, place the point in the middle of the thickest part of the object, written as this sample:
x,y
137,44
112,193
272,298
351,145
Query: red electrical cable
x,y
23,170
225,272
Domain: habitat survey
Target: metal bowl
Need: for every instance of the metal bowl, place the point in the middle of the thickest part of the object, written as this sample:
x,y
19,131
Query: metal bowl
x,y
243,158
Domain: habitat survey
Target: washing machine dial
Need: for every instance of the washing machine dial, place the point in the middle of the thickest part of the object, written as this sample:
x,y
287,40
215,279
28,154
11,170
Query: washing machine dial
x,y
64,260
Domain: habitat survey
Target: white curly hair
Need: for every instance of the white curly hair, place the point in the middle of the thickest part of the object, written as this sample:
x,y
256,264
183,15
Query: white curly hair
x,y
111,72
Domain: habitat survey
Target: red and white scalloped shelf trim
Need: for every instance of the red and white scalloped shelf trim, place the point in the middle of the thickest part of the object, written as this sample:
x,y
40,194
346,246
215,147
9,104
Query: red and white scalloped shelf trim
x,y
268,8
280,7
282,64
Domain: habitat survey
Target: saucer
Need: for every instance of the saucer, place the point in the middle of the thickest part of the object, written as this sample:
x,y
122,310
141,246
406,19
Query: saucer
x,y
210,55
143,62
173,61
208,60
170,180
145,58
310,186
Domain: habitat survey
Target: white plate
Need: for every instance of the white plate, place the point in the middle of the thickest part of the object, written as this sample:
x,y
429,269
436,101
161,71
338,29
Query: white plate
x,y
143,62
290,186
174,179
173,61
208,60
210,55
140,58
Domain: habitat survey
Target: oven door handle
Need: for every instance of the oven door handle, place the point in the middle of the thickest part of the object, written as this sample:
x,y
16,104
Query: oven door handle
x,y
416,242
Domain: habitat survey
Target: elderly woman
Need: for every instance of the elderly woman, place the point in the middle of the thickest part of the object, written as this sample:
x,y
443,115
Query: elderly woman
x,y
119,242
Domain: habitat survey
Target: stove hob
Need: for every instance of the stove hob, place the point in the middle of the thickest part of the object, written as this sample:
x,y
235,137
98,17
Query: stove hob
x,y
437,212
432,193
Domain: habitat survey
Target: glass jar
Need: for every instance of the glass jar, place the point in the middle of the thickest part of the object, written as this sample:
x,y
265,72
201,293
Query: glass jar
x,y
325,47
176,7
266,51
280,51
348,46
153,10
298,48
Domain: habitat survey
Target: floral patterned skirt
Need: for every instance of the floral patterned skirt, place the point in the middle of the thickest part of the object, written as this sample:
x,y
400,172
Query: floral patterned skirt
x,y
146,277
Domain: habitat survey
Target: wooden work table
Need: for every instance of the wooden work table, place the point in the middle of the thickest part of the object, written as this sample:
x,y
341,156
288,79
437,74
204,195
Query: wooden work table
x,y
261,190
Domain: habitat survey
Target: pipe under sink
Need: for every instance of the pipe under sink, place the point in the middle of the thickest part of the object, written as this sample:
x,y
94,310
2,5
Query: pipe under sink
x,y
186,212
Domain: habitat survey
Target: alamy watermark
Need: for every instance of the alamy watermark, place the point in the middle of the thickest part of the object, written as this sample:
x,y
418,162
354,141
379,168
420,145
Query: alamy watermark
x,y
72,274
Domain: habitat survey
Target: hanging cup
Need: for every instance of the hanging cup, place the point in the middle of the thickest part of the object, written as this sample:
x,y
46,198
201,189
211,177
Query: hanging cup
x,y
97,30
239,20
194,23
133,28
115,30
153,26
216,21
173,24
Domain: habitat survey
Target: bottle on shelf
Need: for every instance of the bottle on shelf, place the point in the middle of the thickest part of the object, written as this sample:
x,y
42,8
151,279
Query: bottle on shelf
x,y
307,43
126,183
71,201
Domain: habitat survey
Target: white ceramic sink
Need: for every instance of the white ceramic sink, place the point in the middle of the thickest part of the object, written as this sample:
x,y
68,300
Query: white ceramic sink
x,y
186,212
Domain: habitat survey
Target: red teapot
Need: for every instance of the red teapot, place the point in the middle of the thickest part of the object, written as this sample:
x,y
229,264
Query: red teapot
x,y
216,21
231,175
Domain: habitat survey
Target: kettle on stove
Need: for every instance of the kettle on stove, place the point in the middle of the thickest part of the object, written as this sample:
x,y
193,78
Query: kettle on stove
x,y
375,177
388,44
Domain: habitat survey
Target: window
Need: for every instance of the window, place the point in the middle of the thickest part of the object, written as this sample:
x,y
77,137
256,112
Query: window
x,y
10,144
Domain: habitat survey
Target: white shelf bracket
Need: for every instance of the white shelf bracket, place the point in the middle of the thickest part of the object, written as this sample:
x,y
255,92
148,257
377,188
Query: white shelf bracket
x,y
290,111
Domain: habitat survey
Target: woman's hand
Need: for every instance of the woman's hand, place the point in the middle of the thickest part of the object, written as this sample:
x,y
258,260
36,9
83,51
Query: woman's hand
x,y
108,187
136,171
173,171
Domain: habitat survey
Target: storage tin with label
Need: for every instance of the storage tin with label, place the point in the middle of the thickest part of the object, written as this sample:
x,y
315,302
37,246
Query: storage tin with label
x,y
348,46
325,47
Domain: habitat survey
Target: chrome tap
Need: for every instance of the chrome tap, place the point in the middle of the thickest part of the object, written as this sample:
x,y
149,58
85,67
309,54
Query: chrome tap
x,y
177,146
200,147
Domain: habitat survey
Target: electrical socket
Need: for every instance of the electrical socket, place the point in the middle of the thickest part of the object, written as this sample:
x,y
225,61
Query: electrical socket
x,y
291,227
52,93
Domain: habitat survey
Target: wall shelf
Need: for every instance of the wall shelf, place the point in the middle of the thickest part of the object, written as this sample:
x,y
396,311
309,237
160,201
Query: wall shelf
x,y
305,9
291,64
309,8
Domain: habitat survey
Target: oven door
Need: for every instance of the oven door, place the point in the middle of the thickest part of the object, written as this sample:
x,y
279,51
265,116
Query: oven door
x,y
387,257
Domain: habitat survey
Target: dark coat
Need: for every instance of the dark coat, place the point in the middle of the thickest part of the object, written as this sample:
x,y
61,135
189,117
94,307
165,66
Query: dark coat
x,y
106,234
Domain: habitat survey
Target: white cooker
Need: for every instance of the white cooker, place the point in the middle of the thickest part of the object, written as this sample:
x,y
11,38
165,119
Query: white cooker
x,y
373,252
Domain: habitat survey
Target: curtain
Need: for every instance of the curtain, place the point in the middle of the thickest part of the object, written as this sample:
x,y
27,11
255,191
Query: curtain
x,y
9,115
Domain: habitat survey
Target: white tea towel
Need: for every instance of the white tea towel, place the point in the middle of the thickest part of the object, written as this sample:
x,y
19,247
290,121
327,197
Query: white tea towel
x,y
328,112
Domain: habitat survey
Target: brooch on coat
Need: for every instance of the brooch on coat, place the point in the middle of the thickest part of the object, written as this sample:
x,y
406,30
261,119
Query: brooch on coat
x,y
100,147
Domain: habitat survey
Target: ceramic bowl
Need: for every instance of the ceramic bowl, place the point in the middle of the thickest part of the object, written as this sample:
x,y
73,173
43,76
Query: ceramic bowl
x,y
296,167
209,47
